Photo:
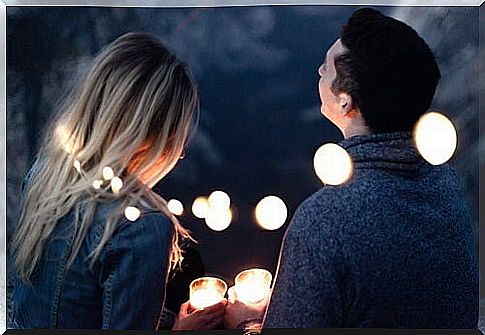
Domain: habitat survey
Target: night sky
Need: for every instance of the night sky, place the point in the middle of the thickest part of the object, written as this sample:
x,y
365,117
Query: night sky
x,y
260,122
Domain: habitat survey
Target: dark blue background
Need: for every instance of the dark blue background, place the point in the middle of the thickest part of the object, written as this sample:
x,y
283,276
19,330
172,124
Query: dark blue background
x,y
260,124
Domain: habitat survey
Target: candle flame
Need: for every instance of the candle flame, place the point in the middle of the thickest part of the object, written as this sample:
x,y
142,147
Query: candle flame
x,y
206,291
253,285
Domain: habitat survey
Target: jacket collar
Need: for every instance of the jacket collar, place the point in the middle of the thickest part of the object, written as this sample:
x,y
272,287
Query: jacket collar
x,y
391,151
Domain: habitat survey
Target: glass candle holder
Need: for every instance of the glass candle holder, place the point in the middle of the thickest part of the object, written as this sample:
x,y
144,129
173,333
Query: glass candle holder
x,y
253,285
207,291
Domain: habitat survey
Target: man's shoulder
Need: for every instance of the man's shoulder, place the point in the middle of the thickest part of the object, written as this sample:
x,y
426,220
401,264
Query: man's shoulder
x,y
328,201
322,213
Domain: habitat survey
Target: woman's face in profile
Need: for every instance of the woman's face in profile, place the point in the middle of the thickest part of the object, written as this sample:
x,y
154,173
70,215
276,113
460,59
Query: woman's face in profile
x,y
160,169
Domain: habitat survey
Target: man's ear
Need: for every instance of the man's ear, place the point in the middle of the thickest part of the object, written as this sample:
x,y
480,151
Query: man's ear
x,y
346,103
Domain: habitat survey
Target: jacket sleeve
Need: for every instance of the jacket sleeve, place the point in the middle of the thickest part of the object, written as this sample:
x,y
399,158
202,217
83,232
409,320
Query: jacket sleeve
x,y
308,291
134,273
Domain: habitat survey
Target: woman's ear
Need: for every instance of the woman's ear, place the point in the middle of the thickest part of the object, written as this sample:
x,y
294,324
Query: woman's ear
x,y
346,103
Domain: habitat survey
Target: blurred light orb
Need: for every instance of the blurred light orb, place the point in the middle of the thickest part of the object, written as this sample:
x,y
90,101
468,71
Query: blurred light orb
x,y
64,139
132,213
175,207
219,200
108,173
435,137
116,184
271,213
218,219
332,164
200,207
97,184
77,165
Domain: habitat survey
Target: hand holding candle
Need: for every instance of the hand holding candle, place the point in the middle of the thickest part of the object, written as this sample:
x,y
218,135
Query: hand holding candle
x,y
253,285
207,291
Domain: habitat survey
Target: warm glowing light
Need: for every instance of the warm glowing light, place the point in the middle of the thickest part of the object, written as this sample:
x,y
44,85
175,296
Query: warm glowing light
x,y
175,207
332,164
132,213
116,184
108,173
271,213
219,200
435,138
97,184
253,285
64,139
218,219
77,165
200,207
206,291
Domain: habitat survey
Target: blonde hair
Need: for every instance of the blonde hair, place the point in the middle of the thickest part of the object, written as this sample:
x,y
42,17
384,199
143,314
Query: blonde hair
x,y
132,112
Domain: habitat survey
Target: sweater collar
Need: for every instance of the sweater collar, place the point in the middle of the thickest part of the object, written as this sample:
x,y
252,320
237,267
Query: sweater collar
x,y
390,151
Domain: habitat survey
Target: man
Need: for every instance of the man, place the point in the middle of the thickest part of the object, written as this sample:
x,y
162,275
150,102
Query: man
x,y
393,247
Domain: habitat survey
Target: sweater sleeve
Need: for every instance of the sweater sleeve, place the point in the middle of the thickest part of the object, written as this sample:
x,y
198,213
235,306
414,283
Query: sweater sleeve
x,y
308,291
135,272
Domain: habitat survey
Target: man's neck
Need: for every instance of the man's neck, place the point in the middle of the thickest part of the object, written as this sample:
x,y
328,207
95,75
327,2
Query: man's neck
x,y
354,130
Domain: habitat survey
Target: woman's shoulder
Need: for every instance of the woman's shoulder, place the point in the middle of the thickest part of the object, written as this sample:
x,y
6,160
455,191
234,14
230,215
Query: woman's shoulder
x,y
135,216
139,226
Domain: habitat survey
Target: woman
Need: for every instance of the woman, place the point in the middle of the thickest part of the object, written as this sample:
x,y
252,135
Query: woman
x,y
94,243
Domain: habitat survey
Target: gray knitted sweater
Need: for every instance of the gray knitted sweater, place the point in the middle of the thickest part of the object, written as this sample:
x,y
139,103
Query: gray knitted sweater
x,y
394,247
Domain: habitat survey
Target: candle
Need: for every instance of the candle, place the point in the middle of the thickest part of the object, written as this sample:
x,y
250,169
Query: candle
x,y
206,291
253,285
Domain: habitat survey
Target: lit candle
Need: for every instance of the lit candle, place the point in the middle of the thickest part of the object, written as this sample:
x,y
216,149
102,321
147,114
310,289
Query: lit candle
x,y
253,285
206,291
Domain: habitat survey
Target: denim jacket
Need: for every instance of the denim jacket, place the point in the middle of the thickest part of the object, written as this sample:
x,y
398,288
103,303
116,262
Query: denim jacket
x,y
124,289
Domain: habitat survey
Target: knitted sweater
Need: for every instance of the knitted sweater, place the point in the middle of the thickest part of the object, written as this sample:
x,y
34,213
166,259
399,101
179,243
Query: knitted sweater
x,y
394,247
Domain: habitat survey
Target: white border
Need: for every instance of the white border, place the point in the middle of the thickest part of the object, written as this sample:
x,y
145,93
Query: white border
x,y
3,158
139,3
229,3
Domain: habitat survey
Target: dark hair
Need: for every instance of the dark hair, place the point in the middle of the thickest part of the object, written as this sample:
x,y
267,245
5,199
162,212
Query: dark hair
x,y
389,71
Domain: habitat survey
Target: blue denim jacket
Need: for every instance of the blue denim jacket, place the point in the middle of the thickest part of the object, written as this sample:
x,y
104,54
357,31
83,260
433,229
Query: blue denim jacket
x,y
124,289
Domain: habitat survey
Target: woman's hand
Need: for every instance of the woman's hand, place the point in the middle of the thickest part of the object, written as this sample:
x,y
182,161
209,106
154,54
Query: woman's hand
x,y
200,319
239,314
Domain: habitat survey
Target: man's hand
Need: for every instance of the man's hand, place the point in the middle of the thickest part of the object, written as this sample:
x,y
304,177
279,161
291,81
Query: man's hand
x,y
200,319
238,312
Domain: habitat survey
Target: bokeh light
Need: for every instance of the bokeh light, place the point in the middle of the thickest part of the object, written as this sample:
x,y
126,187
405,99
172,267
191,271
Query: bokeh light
x,y
97,184
435,137
175,207
77,165
219,200
332,164
218,219
108,173
271,213
132,213
64,139
116,184
200,207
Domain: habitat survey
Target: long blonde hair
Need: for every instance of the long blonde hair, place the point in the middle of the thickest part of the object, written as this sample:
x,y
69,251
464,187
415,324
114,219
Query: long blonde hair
x,y
133,111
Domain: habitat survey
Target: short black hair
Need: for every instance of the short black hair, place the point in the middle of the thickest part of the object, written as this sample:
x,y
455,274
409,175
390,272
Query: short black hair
x,y
388,70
